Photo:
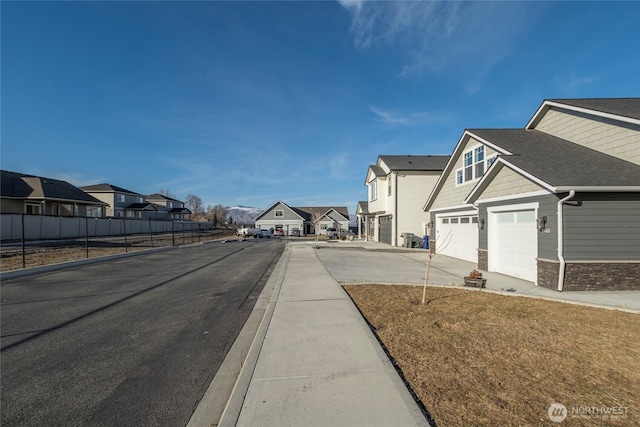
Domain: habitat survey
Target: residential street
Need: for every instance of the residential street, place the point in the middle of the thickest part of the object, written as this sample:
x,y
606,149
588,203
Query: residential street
x,y
133,341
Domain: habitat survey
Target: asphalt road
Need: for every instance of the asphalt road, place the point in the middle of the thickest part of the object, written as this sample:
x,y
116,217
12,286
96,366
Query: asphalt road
x,y
128,342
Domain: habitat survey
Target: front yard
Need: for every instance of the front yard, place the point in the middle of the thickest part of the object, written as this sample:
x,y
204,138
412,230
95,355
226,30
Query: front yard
x,y
475,358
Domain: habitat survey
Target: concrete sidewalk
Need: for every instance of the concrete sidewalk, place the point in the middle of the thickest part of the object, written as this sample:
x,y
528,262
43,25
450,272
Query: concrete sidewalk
x,y
314,360
319,364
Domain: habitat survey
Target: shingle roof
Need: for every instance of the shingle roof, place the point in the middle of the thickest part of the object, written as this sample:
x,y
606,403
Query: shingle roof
x,y
414,163
22,186
558,162
107,188
318,211
625,107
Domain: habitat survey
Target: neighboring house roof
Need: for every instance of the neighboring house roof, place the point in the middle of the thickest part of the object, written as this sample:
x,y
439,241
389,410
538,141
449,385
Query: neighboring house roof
x,y
276,204
320,211
376,171
142,207
414,163
556,164
363,207
308,213
180,210
22,186
623,109
107,188
158,196
333,215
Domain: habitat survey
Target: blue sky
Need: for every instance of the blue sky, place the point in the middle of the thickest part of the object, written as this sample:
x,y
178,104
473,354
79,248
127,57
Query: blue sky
x,y
247,103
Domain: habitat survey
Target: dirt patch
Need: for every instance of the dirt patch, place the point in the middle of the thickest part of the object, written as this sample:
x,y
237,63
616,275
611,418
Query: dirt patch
x,y
54,252
482,359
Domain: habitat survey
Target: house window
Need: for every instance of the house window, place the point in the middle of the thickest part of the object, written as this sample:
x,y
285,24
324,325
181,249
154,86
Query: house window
x,y
373,190
465,220
120,197
119,214
323,226
478,161
454,220
468,166
32,208
445,220
140,200
474,165
388,186
279,214
491,160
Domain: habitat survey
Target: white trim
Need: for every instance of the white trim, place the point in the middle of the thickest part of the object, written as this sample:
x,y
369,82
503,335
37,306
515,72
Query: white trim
x,y
516,207
630,188
514,196
547,104
454,214
450,208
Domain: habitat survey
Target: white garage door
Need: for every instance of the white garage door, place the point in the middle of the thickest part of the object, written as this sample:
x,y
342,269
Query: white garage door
x,y
513,244
457,237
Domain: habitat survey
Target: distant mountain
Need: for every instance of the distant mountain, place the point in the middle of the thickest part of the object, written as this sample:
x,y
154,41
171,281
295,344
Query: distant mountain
x,y
243,214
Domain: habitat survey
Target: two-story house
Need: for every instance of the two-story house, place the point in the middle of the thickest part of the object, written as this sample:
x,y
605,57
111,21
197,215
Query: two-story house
x,y
35,195
168,207
396,187
555,203
121,203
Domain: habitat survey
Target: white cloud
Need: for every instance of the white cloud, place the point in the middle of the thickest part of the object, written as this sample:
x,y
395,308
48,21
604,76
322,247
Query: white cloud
x,y
440,36
415,118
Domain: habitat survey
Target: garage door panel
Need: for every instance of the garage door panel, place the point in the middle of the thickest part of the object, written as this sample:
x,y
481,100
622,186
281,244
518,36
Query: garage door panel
x,y
513,244
457,237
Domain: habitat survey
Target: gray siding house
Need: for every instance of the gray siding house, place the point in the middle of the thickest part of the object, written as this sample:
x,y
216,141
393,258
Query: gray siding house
x,y
555,203
308,219
122,203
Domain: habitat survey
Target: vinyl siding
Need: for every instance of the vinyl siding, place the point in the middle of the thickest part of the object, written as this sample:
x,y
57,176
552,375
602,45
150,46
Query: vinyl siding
x,y
603,227
413,190
617,139
288,214
506,183
449,194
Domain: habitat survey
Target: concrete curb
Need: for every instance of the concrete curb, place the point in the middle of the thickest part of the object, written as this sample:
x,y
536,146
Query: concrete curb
x,y
25,272
234,375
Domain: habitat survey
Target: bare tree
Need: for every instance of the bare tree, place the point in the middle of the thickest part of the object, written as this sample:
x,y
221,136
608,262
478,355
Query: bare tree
x,y
194,204
216,214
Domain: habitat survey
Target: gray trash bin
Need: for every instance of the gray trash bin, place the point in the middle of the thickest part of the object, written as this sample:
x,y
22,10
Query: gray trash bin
x,y
408,240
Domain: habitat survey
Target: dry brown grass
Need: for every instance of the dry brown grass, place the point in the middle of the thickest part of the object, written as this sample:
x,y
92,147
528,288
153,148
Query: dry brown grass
x,y
480,359
36,256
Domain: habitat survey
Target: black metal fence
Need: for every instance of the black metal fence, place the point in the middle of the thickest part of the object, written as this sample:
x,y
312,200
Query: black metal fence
x,y
32,240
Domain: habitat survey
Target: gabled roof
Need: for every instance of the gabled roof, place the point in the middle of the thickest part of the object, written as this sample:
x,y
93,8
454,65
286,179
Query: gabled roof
x,y
376,171
22,186
332,214
107,188
620,109
158,196
142,207
319,211
414,163
556,164
363,207
294,210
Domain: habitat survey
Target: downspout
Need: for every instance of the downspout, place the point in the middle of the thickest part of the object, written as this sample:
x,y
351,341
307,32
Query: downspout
x,y
561,238
395,209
